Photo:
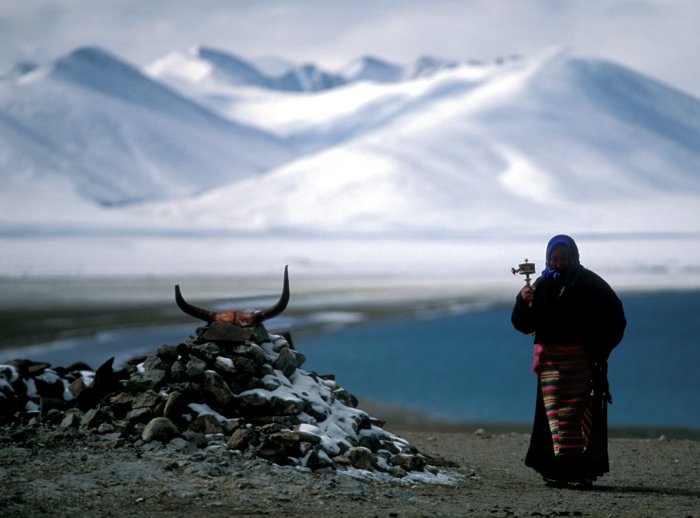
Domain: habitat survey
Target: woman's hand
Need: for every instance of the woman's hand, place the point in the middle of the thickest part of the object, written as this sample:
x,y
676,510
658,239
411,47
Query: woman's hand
x,y
528,294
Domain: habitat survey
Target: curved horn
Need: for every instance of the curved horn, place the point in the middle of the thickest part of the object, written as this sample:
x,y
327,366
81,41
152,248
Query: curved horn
x,y
200,313
266,314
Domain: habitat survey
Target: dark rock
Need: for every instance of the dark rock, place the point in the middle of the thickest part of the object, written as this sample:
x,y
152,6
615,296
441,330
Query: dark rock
x,y
347,398
167,353
271,449
271,428
288,361
397,472
263,404
318,459
49,404
159,429
29,368
136,385
243,382
225,366
121,403
207,351
77,387
147,399
155,370
178,371
251,351
94,417
173,406
49,385
52,416
105,428
389,446
139,415
408,462
183,350
215,386
71,419
370,441
362,458
240,439
198,439
207,424
195,367
245,365
105,381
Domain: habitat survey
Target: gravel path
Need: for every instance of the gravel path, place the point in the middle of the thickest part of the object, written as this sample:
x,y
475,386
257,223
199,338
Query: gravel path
x,y
45,473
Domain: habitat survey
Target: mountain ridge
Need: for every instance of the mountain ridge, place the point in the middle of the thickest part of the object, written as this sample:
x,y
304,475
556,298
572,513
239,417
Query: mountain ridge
x,y
430,148
117,136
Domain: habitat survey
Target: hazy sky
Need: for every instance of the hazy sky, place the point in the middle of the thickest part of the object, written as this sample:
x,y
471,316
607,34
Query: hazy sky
x,y
656,37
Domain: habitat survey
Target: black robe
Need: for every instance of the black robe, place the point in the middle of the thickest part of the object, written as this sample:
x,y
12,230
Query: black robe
x,y
582,310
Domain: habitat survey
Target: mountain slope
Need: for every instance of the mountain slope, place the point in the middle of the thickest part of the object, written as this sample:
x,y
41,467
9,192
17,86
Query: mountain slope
x,y
205,65
115,136
472,150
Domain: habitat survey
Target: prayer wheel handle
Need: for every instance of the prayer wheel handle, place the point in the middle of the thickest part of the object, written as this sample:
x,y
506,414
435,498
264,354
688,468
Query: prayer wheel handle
x,y
525,269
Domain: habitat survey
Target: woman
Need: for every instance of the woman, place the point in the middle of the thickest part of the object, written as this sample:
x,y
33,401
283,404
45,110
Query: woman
x,y
577,319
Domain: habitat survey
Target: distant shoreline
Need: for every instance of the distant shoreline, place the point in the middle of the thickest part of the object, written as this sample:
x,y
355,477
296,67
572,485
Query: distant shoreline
x,y
36,310
399,419
40,310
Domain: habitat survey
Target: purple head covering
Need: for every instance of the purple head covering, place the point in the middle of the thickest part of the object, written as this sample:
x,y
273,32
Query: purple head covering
x,y
574,262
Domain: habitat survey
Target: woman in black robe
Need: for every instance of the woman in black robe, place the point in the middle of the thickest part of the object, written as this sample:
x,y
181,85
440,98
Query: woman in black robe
x,y
577,319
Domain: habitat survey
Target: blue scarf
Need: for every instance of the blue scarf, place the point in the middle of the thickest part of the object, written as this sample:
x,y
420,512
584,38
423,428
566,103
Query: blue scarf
x,y
574,263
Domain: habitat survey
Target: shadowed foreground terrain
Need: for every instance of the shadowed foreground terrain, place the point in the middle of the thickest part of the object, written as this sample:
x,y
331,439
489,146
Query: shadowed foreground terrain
x,y
49,473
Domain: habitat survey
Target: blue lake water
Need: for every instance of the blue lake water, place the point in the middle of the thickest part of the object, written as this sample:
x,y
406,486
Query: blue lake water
x,y
471,366
475,367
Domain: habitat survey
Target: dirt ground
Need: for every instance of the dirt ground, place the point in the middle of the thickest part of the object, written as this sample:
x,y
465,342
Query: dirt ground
x,y
43,473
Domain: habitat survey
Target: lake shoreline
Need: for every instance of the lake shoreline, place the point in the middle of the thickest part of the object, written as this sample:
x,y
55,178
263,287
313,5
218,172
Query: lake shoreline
x,y
401,419
44,309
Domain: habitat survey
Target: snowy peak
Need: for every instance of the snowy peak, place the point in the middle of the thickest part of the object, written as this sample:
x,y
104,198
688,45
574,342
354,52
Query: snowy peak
x,y
201,64
370,68
94,68
205,65
101,72
116,136
20,69
307,78
427,66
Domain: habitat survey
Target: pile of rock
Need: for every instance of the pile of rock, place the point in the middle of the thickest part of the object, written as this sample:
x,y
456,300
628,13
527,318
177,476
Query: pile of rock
x,y
243,390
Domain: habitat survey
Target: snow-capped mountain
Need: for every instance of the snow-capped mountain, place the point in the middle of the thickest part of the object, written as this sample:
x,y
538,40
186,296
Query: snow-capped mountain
x,y
466,148
370,68
206,140
100,127
205,65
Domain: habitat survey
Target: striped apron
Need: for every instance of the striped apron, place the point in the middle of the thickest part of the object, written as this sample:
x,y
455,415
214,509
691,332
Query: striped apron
x,y
565,380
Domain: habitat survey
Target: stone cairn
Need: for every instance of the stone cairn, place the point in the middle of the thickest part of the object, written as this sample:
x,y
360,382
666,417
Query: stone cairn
x,y
231,386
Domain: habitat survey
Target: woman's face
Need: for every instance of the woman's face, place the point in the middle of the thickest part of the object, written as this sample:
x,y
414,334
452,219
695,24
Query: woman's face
x,y
559,258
